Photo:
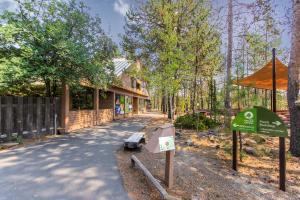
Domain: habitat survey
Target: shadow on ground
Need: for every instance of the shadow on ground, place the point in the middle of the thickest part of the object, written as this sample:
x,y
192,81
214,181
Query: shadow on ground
x,y
81,165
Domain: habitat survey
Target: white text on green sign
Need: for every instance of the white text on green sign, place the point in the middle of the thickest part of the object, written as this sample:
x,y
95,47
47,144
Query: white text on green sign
x,y
259,120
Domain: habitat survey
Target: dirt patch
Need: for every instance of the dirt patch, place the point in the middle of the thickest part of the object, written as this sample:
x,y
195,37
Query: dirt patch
x,y
203,169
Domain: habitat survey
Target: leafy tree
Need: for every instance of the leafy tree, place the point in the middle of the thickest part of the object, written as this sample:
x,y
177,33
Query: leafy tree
x,y
49,41
229,64
176,43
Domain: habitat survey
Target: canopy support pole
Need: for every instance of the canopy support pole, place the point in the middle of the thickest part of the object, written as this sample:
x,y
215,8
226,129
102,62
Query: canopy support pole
x,y
282,161
273,81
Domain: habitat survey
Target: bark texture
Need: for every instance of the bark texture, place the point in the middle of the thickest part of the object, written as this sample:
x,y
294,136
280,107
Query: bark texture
x,y
228,66
294,80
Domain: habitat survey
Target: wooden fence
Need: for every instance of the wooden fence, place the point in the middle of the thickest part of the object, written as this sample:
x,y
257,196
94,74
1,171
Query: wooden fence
x,y
27,116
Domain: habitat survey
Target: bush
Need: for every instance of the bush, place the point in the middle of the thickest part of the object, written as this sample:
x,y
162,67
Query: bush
x,y
195,121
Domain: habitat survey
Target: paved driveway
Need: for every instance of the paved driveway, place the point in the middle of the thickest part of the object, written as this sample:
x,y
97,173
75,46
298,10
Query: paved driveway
x,y
77,166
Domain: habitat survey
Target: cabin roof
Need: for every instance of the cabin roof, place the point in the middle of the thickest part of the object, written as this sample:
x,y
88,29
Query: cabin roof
x,y
121,64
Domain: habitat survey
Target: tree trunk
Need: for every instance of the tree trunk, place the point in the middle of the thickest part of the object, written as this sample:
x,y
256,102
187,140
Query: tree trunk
x,y
229,63
54,88
215,100
48,87
164,103
170,107
195,84
201,94
294,80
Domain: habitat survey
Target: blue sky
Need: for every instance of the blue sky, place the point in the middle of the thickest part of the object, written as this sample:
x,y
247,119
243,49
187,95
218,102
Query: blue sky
x,y
112,13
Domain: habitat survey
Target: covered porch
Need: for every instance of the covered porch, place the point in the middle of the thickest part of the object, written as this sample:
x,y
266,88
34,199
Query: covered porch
x,y
88,106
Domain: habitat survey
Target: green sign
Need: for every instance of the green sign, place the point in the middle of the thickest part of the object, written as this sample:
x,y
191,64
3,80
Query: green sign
x,y
166,143
259,120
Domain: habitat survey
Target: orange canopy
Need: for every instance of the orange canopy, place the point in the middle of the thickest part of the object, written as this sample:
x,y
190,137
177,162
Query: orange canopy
x,y
262,79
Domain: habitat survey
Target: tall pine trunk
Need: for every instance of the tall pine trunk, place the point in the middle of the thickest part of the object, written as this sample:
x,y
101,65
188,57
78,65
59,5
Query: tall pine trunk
x,y
195,86
228,66
201,94
294,80
48,87
170,107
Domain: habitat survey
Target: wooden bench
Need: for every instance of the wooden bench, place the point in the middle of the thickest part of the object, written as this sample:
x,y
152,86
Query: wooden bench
x,y
134,141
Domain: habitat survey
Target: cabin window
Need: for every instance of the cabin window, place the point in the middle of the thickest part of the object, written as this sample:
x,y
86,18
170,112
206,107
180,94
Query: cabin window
x,y
81,98
106,100
138,86
133,83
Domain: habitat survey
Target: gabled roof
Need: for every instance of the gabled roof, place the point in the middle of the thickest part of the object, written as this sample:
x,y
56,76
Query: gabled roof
x,y
121,64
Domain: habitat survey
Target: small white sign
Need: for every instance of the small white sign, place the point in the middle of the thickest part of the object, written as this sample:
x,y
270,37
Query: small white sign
x,y
166,143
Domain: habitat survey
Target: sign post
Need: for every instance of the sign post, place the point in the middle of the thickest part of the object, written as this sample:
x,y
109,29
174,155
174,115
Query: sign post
x,y
167,144
261,121
282,162
169,168
163,141
234,150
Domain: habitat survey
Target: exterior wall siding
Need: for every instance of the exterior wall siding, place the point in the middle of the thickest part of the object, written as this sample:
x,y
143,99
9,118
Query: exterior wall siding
x,y
105,115
87,118
81,119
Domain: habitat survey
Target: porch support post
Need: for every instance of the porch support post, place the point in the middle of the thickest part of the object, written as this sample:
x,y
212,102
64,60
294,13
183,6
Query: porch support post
x,y
135,105
65,106
96,105
114,105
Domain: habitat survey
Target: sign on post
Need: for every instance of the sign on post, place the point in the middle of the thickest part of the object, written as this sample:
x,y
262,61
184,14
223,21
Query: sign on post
x,y
166,143
162,140
261,121
160,135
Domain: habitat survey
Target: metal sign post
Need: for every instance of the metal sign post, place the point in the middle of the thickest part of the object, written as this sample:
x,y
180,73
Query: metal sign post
x,y
282,161
234,150
261,121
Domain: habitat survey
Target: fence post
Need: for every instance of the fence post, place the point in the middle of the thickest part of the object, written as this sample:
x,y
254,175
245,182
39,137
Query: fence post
x,y
29,115
9,119
20,116
38,115
47,114
57,117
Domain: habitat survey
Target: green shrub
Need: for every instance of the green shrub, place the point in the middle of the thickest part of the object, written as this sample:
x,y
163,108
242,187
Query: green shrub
x,y
20,139
195,121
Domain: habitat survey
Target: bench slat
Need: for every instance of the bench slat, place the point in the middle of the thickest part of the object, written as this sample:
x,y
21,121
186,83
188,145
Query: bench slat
x,y
135,137
134,140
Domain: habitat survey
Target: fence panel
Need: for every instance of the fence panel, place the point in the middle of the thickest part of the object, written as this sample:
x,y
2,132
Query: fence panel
x,y
27,116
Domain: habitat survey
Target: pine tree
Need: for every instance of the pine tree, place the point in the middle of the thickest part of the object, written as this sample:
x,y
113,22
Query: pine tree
x,y
229,64
294,81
